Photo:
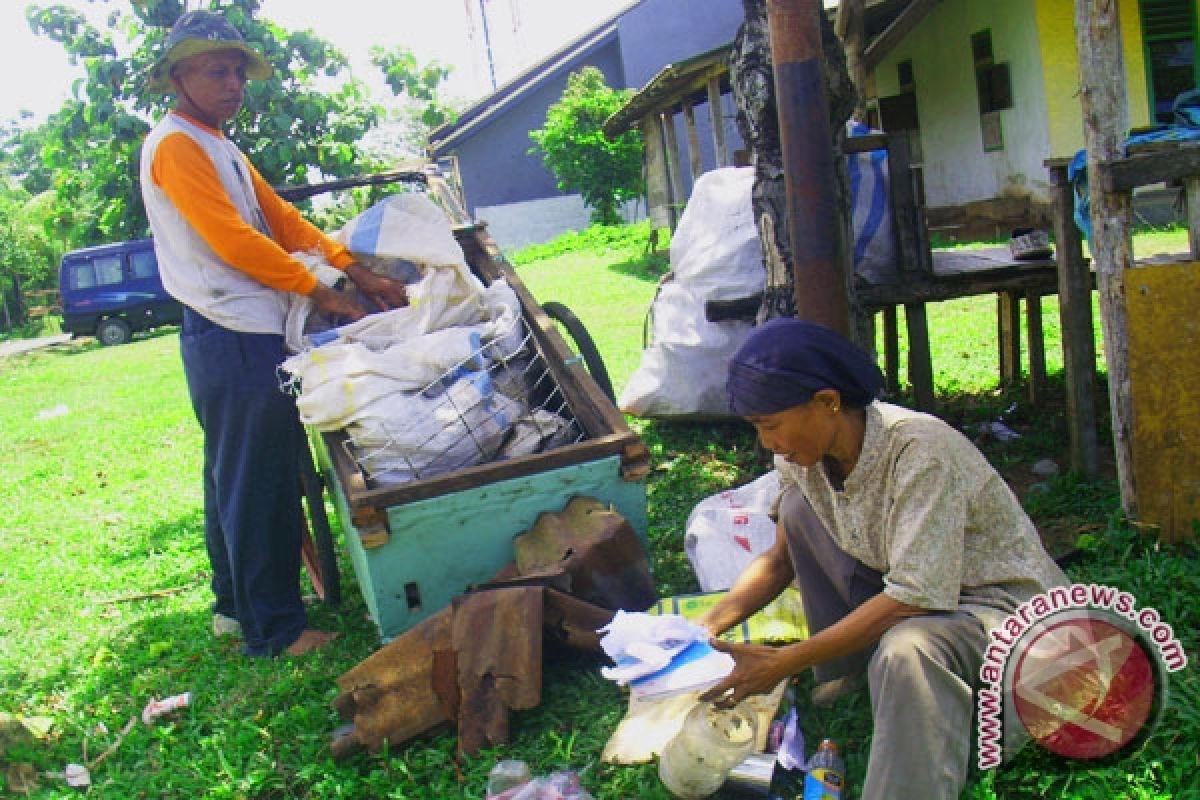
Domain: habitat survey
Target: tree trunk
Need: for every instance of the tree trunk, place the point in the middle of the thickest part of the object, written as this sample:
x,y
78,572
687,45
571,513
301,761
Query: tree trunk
x,y
757,120
849,28
1105,120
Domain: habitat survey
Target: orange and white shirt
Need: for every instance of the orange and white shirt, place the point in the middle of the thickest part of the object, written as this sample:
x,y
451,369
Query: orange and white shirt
x,y
221,233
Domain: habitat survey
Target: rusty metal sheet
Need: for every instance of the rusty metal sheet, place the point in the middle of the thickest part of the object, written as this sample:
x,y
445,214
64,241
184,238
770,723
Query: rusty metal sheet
x,y
596,547
389,696
497,636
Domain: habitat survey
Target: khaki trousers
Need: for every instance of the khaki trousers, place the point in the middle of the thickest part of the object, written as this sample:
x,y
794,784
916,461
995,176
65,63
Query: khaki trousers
x,y
922,672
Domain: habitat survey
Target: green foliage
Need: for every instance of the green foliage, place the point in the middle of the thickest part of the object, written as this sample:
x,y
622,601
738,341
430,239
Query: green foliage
x,y
420,83
90,148
595,238
573,145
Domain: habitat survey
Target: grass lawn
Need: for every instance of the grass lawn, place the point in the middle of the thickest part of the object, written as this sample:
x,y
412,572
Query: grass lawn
x,y
104,600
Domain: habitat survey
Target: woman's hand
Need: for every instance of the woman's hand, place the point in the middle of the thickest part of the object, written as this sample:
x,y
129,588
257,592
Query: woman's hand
x,y
758,668
386,293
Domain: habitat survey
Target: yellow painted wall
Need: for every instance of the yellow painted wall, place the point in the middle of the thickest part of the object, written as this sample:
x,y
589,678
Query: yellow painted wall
x,y
1060,61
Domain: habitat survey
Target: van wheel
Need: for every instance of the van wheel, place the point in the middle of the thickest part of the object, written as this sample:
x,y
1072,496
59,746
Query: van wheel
x,y
113,330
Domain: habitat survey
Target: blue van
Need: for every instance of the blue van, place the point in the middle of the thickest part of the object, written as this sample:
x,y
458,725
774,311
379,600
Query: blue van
x,y
113,290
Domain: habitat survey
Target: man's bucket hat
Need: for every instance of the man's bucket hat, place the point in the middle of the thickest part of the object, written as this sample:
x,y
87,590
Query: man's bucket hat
x,y
199,32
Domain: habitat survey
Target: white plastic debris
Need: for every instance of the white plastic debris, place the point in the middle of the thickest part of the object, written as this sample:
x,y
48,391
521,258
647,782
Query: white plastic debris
x,y
77,776
59,410
156,708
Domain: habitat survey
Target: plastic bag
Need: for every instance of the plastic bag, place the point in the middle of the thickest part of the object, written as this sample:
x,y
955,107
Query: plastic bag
x,y
726,531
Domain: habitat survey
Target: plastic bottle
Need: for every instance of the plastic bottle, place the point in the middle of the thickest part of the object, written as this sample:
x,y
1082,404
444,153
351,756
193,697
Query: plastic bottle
x,y
712,741
826,773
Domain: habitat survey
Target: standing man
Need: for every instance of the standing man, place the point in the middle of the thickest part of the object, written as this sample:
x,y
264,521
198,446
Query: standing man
x,y
223,239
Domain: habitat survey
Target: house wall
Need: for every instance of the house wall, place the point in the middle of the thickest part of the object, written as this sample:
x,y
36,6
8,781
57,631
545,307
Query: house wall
x,y
494,158
1036,38
1056,29
957,169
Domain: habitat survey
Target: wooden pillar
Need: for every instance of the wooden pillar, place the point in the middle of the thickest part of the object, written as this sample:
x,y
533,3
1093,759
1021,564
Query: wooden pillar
x,y
693,139
1075,321
658,182
891,349
717,118
1191,187
674,180
1008,336
1105,121
920,361
850,28
1036,345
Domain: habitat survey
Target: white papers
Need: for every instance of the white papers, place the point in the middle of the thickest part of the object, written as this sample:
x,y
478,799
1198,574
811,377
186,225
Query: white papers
x,y
661,654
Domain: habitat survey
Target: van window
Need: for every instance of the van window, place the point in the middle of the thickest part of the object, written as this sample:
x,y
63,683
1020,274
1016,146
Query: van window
x,y
108,270
80,275
143,263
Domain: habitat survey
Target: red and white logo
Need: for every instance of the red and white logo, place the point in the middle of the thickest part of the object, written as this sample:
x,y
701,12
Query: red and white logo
x,y
1079,669
1084,687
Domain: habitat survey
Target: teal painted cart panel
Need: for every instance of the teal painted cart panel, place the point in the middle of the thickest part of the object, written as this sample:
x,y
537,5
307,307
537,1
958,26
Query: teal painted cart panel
x,y
440,546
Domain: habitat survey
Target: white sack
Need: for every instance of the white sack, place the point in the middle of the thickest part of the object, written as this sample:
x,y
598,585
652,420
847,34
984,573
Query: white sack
x,y
715,255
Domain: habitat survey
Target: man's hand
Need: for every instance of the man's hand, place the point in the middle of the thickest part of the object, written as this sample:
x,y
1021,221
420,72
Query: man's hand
x,y
335,305
758,669
384,292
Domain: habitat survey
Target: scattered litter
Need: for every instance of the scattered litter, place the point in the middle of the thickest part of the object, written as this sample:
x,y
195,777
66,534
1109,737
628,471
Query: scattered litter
x,y
77,776
156,708
59,410
997,430
511,780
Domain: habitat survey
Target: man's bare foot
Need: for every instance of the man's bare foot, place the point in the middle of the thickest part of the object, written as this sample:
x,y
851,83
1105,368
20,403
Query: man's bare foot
x,y
308,641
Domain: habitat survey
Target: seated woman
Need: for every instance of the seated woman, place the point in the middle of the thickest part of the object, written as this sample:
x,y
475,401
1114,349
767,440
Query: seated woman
x,y
906,544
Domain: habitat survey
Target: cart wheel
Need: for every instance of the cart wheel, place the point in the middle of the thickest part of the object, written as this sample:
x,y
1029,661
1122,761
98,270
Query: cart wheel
x,y
319,554
584,343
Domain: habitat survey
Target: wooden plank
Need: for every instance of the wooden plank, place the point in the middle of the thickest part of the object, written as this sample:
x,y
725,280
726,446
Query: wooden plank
x,y
920,362
1164,372
891,349
693,140
865,144
937,288
717,118
1036,345
1008,336
1122,174
1074,281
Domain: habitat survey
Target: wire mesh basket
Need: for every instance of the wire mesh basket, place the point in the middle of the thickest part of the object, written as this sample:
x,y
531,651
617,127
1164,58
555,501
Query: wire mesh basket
x,y
500,402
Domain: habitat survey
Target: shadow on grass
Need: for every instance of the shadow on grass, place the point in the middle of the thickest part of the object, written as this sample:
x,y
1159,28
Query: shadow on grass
x,y
649,266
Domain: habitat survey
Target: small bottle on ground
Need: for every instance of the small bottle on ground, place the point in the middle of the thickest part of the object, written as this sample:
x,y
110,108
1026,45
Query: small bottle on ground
x,y
826,778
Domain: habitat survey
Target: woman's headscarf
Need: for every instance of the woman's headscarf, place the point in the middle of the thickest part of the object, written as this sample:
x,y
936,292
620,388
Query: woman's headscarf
x,y
785,361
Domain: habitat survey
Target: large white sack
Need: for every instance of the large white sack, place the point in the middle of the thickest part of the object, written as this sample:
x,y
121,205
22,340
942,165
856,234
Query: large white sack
x,y
725,532
399,235
715,251
683,371
715,255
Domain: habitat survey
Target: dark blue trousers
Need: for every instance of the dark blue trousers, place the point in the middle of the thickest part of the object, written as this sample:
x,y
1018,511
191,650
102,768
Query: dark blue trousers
x,y
252,513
